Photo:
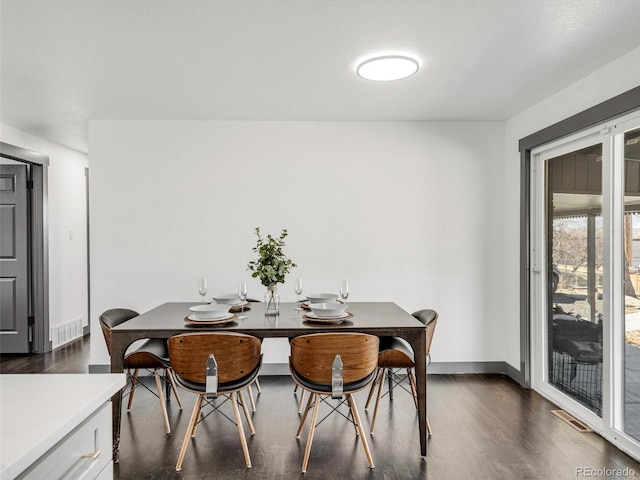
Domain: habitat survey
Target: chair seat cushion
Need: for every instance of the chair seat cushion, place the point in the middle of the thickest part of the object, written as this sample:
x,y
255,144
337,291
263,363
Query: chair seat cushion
x,y
225,387
324,388
151,353
395,352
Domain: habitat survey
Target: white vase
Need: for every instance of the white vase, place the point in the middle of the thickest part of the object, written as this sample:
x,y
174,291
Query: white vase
x,y
271,301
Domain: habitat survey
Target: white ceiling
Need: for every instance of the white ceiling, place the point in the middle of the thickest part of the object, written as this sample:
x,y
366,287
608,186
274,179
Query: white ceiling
x,y
64,62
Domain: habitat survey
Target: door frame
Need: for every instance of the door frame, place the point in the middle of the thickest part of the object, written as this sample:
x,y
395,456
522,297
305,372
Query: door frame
x,y
37,202
539,327
607,110
610,112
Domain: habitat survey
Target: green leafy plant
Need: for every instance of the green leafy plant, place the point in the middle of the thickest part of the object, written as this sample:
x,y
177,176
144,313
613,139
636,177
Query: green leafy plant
x,y
272,265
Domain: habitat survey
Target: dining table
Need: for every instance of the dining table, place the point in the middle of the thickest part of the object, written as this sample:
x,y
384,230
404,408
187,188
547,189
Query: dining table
x,y
375,318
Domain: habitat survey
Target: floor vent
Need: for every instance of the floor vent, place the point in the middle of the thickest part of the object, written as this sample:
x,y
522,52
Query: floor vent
x,y
66,332
571,420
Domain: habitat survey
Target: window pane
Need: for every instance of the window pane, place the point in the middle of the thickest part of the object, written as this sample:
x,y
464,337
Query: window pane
x,y
574,273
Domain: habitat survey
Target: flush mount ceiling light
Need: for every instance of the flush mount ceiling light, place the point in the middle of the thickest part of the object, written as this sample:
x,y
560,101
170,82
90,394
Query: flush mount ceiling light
x,y
384,69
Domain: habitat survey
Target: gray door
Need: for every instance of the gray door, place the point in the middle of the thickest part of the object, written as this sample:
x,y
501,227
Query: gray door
x,y
14,264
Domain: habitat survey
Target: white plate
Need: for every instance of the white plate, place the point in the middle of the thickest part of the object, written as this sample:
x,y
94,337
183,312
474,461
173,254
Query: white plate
x,y
196,319
313,315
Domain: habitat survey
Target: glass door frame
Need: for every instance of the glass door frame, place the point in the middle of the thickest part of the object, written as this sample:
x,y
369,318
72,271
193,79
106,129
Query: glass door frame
x,y
611,135
615,107
539,297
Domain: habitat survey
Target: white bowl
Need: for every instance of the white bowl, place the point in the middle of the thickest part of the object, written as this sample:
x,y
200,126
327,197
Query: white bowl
x,y
227,299
321,297
210,311
328,309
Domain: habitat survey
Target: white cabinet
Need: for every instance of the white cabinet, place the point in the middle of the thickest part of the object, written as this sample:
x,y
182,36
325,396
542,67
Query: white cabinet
x,y
82,454
57,426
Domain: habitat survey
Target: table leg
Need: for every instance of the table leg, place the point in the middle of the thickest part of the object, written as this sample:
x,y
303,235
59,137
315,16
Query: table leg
x,y
418,341
119,343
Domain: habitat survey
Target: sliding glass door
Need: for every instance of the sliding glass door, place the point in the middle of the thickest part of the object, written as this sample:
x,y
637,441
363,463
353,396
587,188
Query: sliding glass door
x,y
585,277
631,347
574,263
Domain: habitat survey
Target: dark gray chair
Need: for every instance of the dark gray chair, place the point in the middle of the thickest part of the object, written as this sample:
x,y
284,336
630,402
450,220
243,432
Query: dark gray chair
x,y
396,352
151,355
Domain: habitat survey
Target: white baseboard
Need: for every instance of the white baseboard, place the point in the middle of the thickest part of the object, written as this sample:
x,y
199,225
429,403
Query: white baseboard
x,y
436,368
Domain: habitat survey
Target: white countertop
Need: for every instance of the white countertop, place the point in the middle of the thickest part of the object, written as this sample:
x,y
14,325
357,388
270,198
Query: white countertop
x,y
37,411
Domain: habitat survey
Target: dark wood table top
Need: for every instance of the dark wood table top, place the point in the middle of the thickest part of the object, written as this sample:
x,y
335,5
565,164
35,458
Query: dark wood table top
x,y
378,318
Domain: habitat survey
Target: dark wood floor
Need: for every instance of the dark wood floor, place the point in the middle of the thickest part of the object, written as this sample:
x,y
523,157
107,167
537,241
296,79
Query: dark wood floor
x,y
485,427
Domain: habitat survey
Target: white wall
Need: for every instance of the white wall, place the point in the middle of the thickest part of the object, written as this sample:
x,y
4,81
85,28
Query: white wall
x,y
617,77
66,211
399,209
432,215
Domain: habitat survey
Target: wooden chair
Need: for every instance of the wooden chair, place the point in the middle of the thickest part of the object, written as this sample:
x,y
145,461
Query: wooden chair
x,y
150,355
396,352
335,365
237,359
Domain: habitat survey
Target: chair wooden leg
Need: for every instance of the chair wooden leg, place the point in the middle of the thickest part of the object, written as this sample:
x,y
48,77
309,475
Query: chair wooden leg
x,y
352,420
174,386
356,416
246,412
199,401
390,380
188,434
304,415
312,429
134,381
375,409
412,378
251,400
412,382
300,401
163,406
257,382
243,440
373,386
